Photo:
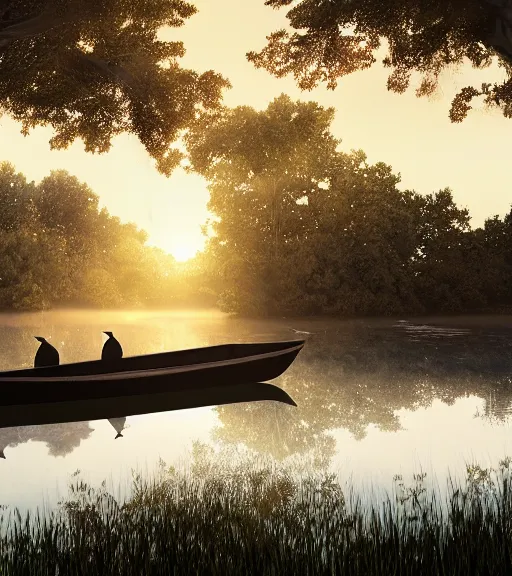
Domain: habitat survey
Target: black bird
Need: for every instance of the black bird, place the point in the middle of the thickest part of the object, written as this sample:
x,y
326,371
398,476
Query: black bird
x,y
111,349
46,354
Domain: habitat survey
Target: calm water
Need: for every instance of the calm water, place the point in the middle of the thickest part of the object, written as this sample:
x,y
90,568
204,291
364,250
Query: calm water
x,y
375,398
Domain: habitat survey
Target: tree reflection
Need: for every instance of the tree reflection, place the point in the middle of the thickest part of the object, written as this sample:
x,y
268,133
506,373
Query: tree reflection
x,y
61,439
363,375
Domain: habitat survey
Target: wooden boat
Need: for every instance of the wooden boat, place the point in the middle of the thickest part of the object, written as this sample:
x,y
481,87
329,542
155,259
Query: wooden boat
x,y
192,356
141,384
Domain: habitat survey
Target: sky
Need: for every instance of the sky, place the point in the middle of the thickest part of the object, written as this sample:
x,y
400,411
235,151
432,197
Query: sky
x,y
413,135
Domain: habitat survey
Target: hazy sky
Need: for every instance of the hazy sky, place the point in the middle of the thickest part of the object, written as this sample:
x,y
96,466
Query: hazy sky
x,y
413,135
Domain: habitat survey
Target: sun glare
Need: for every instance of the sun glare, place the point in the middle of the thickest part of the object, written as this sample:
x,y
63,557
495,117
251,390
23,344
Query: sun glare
x,y
184,252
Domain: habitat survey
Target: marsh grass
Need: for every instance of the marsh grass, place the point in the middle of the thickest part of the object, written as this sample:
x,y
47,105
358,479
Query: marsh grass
x,y
247,516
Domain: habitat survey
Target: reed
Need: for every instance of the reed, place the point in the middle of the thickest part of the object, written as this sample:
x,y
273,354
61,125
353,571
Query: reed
x,y
264,518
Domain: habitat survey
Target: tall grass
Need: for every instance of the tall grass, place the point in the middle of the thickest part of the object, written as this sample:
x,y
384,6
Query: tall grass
x,y
259,517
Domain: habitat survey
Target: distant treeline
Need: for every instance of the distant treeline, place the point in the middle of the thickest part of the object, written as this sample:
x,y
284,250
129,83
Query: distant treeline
x,y
58,248
301,228
306,229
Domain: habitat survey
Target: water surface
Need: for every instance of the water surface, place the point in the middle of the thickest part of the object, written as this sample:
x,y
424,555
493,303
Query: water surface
x,y
375,398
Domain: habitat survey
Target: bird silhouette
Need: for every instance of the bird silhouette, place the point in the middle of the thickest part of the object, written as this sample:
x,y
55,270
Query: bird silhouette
x,y
46,354
112,350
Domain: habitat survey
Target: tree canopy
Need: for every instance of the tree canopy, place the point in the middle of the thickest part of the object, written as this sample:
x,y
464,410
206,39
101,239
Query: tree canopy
x,y
333,38
303,228
261,166
93,70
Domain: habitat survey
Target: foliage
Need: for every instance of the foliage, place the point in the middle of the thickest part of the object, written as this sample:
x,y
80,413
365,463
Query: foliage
x,y
57,247
94,70
303,228
333,38
299,228
260,166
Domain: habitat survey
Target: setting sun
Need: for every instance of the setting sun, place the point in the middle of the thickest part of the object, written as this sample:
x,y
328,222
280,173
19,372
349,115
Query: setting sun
x,y
184,252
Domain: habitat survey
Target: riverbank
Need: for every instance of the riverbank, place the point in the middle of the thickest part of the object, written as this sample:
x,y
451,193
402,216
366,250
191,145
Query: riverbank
x,y
266,519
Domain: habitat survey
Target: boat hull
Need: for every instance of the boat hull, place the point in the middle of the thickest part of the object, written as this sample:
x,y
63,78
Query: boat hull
x,y
36,390
122,406
192,356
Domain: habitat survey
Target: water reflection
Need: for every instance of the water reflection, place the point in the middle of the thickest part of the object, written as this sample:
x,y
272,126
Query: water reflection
x,y
60,439
371,394
364,375
119,424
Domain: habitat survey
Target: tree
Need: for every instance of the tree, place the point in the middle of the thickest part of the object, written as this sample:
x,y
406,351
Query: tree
x,y
261,166
16,198
34,272
93,70
363,242
447,257
67,206
496,266
333,38
33,258
302,228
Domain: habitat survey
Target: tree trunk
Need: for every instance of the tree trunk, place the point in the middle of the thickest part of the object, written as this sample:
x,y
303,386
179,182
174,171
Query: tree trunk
x,y
276,219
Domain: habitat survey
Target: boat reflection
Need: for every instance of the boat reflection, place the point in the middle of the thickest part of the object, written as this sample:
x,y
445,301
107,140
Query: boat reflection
x,y
122,406
62,426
